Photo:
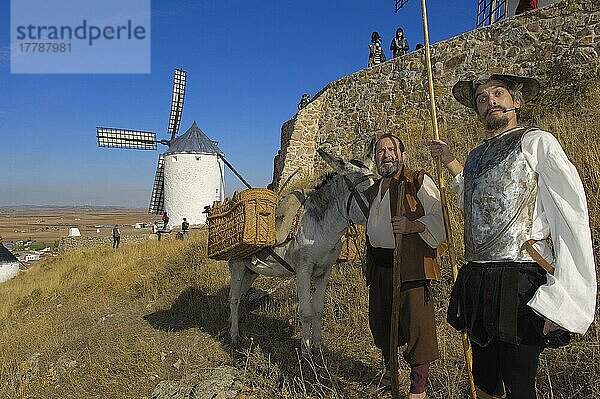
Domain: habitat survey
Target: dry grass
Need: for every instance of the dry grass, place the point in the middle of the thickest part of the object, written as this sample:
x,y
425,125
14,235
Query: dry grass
x,y
103,323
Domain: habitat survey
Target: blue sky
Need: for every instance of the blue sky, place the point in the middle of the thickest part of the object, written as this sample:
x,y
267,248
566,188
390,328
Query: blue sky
x,y
248,63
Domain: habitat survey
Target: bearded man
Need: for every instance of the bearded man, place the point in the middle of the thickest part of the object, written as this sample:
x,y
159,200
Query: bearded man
x,y
423,228
517,294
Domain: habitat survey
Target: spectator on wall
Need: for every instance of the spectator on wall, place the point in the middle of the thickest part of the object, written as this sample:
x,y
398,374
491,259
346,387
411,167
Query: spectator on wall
x,y
526,5
303,101
376,54
399,45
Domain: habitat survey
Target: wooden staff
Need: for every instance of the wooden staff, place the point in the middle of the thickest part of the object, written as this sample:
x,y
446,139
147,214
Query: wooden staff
x,y
397,282
442,186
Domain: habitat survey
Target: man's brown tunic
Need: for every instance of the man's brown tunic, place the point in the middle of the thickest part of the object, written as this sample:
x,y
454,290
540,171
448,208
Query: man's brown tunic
x,y
418,266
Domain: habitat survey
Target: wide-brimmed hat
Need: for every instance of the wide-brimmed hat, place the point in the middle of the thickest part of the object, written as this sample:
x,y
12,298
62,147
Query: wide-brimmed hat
x,y
464,90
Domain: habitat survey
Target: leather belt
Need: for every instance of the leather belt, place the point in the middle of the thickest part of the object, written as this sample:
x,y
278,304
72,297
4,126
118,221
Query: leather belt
x,y
536,256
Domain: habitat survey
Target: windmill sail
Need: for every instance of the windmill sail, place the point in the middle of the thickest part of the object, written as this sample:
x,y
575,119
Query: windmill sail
x,y
490,11
177,101
399,4
157,200
143,140
123,138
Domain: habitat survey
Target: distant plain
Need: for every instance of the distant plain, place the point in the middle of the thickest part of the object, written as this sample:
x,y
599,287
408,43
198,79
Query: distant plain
x,y
49,224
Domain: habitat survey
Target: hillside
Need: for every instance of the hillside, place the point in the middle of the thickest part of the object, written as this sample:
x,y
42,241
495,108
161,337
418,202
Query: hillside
x,y
104,323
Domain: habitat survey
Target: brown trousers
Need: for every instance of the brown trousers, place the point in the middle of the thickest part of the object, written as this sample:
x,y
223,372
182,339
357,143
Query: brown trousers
x,y
417,318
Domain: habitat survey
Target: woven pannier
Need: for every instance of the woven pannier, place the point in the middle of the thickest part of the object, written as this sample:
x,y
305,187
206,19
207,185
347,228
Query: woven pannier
x,y
242,225
353,244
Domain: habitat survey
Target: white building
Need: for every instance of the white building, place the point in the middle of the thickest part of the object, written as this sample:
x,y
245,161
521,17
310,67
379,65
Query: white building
x,y
74,232
32,257
193,177
9,264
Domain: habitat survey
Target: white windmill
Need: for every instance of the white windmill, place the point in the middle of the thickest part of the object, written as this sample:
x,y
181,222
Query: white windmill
x,y
189,175
9,264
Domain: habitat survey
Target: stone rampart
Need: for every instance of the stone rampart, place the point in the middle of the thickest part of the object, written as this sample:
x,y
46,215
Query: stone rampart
x,y
70,243
393,95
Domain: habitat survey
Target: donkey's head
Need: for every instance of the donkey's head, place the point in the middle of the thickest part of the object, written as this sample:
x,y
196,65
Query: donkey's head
x,y
357,177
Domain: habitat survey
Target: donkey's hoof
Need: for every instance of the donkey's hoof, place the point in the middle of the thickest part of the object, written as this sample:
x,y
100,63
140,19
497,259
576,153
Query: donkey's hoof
x,y
236,341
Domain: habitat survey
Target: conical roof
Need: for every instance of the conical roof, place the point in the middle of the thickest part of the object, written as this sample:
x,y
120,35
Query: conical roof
x,y
6,256
194,141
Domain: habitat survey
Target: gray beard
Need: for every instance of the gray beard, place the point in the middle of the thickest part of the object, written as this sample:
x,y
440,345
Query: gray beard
x,y
388,171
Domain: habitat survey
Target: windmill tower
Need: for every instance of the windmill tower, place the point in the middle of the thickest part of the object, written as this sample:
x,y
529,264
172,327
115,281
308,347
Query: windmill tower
x,y
9,264
189,175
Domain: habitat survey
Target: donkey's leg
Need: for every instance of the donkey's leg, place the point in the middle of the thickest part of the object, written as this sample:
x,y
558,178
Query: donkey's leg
x,y
241,280
318,301
305,308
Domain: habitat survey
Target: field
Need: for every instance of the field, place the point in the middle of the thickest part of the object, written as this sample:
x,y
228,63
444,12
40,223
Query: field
x,y
50,224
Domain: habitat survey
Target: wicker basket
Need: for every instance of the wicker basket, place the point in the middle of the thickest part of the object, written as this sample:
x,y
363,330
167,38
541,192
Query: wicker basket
x,y
242,225
353,244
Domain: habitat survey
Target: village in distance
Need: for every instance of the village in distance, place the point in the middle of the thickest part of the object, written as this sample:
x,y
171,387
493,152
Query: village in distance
x,y
32,233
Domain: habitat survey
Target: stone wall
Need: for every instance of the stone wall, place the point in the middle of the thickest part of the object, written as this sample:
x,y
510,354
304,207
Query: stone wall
x,y
70,243
392,96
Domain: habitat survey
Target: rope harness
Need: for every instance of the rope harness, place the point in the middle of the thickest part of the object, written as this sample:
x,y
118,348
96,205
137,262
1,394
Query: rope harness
x,y
296,224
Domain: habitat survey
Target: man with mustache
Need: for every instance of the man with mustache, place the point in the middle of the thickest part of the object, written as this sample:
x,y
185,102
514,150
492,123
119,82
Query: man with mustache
x,y
517,294
423,228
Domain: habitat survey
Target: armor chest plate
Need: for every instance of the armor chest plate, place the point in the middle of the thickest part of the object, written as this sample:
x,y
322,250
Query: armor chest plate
x,y
500,193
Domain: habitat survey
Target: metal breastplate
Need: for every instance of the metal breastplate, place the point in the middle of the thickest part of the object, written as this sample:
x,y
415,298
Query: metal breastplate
x,y
500,193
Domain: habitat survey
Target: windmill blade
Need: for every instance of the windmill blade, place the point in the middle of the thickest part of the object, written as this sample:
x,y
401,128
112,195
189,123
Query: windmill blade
x,y
177,101
157,200
123,138
399,4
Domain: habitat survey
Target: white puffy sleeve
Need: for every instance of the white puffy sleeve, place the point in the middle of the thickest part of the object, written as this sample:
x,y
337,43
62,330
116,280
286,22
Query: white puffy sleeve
x,y
569,296
429,196
458,186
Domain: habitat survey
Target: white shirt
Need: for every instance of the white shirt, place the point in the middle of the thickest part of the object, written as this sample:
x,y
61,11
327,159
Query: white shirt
x,y
379,224
569,296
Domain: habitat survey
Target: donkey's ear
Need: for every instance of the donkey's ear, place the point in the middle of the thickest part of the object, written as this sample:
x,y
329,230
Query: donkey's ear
x,y
370,153
336,163
371,148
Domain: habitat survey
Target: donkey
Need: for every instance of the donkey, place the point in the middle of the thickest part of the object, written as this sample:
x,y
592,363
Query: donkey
x,y
328,212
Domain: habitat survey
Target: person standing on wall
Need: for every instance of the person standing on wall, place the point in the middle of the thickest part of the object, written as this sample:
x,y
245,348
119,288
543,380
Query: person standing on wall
x,y
376,54
399,45
303,101
526,5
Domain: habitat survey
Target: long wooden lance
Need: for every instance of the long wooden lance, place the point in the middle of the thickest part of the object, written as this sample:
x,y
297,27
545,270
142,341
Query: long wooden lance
x,y
442,186
397,282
